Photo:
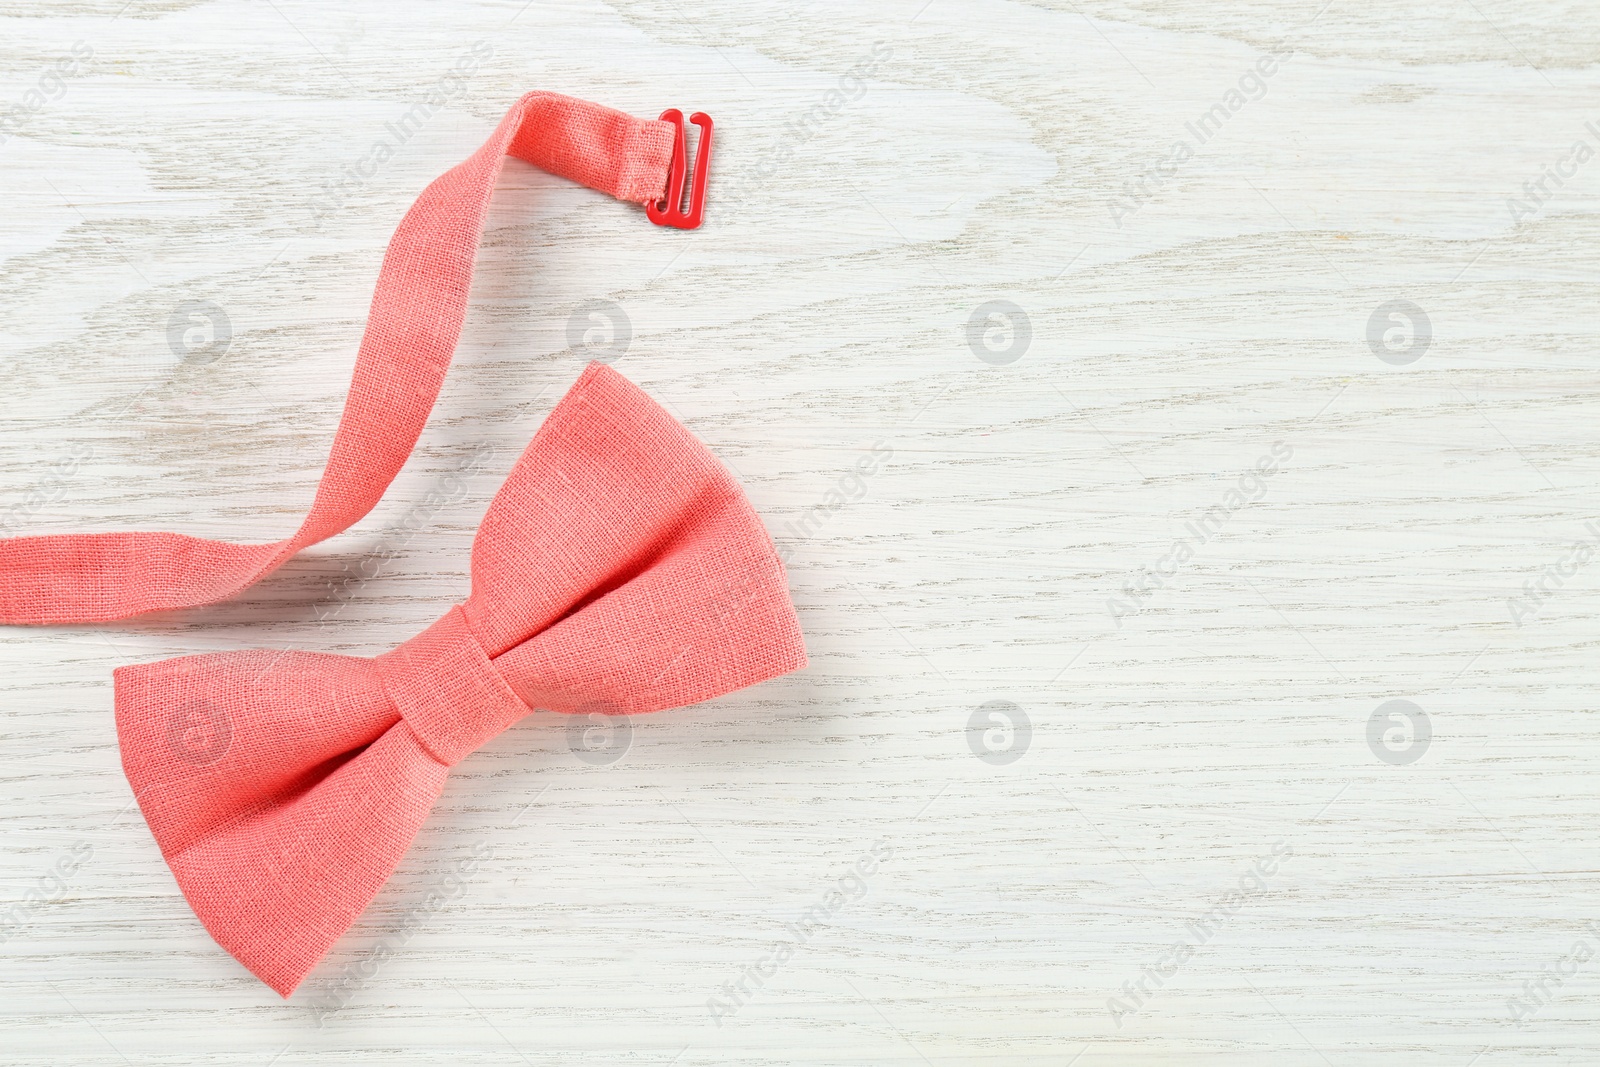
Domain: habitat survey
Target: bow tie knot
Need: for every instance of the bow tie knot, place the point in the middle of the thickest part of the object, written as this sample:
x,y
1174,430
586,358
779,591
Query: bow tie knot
x,y
446,688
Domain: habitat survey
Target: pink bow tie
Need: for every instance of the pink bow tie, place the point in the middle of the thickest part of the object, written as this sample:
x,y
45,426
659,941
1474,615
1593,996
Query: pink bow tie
x,y
619,569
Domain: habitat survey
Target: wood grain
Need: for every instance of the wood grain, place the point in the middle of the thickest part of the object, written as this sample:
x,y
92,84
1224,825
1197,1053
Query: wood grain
x,y
1204,850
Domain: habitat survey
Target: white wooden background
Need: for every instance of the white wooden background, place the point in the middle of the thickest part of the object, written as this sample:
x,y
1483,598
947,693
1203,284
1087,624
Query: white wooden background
x,y
1426,885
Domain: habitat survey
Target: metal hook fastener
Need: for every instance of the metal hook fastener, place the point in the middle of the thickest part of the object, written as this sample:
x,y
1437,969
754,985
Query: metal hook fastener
x,y
670,212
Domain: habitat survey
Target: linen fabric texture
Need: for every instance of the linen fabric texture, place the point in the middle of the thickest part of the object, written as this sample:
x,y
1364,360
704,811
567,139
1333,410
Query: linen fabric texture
x,y
620,569
418,307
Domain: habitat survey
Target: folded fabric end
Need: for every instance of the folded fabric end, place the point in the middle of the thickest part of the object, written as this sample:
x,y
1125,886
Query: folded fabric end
x,y
648,162
279,888
594,145
281,977
282,980
282,789
281,957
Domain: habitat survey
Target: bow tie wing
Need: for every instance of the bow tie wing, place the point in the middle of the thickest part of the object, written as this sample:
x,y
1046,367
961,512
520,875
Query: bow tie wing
x,y
622,569
283,789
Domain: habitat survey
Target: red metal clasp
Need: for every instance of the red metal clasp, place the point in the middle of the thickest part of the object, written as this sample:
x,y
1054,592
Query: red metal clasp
x,y
670,212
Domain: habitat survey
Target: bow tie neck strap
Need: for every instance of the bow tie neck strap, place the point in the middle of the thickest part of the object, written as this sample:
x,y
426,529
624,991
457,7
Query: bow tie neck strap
x,y
620,569
418,307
